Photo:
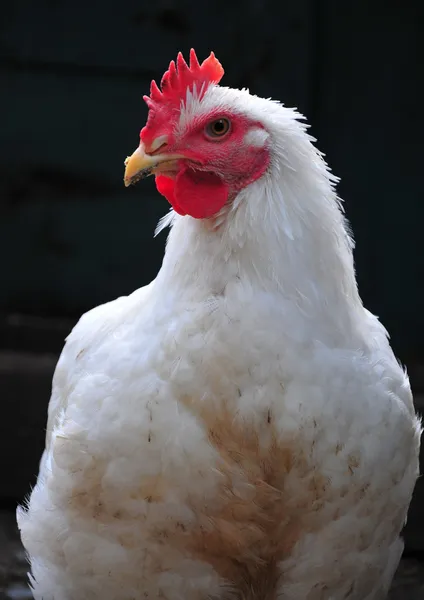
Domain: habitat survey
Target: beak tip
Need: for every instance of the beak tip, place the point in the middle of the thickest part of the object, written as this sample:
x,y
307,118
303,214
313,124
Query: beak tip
x,y
134,165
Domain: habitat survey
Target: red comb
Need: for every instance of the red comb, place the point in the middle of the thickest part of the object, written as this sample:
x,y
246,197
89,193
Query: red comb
x,y
178,79
181,77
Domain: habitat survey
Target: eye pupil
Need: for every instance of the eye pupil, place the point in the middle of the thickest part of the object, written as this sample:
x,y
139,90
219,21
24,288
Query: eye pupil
x,y
219,126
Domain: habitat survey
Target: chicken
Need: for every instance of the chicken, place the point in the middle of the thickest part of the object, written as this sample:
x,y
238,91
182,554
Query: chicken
x,y
240,427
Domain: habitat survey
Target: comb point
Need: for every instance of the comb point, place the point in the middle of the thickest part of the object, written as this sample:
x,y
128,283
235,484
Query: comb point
x,y
155,93
194,63
173,76
183,68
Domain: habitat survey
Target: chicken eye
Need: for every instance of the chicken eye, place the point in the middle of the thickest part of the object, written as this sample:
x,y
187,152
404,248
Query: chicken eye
x,y
218,128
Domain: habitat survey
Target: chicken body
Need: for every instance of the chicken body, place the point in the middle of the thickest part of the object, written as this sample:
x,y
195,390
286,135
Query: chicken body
x,y
239,427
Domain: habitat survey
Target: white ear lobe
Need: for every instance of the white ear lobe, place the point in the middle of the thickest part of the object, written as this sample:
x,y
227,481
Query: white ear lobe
x,y
256,137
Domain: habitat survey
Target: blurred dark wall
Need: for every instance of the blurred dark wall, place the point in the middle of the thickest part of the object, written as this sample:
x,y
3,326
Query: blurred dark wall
x,y
369,120
72,75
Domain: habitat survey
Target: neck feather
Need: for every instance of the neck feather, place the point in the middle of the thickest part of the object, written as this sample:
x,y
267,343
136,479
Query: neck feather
x,y
284,235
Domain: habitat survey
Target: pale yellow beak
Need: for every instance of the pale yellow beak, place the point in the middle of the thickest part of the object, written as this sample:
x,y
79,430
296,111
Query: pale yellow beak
x,y
140,165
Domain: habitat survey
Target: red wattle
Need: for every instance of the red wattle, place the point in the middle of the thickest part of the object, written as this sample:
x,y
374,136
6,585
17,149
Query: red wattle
x,y
195,193
166,187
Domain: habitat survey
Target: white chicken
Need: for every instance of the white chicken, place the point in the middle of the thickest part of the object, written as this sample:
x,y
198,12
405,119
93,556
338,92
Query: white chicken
x,y
240,427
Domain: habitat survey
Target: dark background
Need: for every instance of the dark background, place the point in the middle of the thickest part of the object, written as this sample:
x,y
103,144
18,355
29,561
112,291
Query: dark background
x,y
72,75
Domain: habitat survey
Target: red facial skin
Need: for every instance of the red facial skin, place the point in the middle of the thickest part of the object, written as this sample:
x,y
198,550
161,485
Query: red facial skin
x,y
214,169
